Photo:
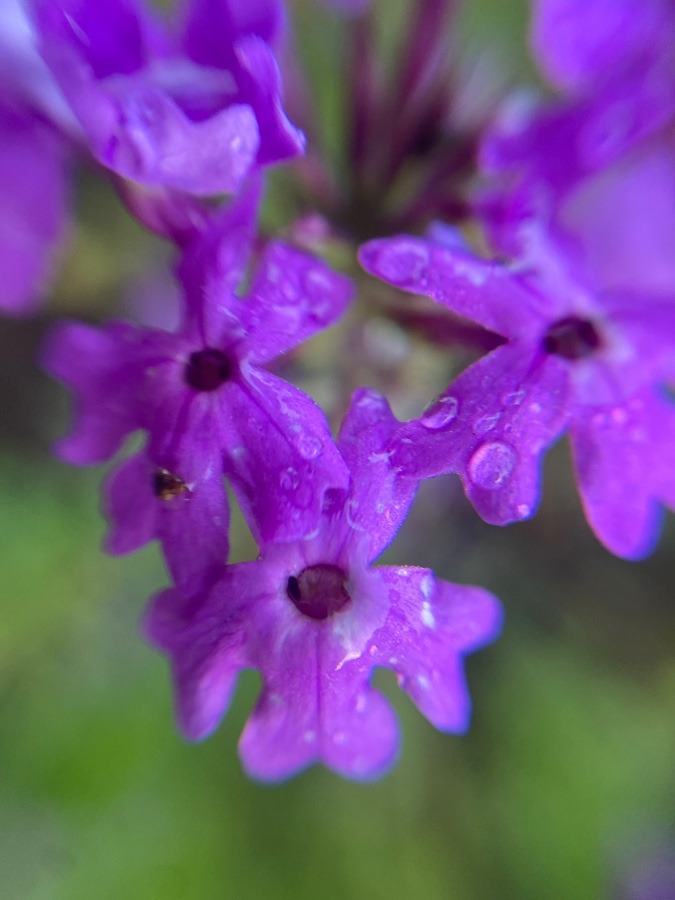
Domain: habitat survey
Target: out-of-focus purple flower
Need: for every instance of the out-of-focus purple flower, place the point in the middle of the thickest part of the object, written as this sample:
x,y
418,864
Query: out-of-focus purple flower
x,y
316,619
33,201
576,356
601,160
583,45
203,397
192,108
33,164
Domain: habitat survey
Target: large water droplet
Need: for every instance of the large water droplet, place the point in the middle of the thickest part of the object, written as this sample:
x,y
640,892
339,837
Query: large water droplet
x,y
402,261
309,446
440,414
491,464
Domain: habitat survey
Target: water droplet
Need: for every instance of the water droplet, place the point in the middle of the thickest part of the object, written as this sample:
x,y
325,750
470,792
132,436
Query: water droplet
x,y
523,510
441,414
290,290
491,464
535,408
369,399
513,398
619,415
309,446
403,261
486,423
289,479
317,281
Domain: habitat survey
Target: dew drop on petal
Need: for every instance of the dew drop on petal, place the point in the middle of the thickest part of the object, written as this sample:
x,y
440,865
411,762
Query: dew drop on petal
x,y
403,261
513,398
309,446
289,479
491,464
441,414
485,423
619,415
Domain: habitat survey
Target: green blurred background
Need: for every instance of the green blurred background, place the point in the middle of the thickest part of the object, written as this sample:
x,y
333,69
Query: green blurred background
x,y
563,788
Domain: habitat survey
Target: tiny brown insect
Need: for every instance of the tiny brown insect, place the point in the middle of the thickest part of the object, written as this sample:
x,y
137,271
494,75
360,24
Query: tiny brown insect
x,y
166,485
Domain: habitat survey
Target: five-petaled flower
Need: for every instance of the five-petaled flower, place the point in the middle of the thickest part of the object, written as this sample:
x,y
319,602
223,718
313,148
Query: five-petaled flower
x,y
206,402
315,618
575,356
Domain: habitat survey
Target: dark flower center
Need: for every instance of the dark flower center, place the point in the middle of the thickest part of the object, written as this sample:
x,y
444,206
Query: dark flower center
x,y
166,485
572,338
207,369
318,591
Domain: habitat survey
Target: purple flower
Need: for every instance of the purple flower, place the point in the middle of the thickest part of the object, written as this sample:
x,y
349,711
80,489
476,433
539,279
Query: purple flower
x,y
33,165
583,45
315,619
576,356
191,109
600,162
205,401
32,206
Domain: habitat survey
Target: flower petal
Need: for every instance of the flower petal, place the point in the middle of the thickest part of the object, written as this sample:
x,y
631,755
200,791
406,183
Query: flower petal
x,y
281,457
381,497
623,457
206,653
178,498
315,709
491,426
431,627
293,296
482,290
94,363
32,209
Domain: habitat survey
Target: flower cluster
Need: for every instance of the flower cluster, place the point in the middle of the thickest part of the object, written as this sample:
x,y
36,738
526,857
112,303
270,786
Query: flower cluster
x,y
542,227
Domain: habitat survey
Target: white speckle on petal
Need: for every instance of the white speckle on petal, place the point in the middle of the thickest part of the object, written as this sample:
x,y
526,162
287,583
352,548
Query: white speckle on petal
x,y
427,586
427,615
